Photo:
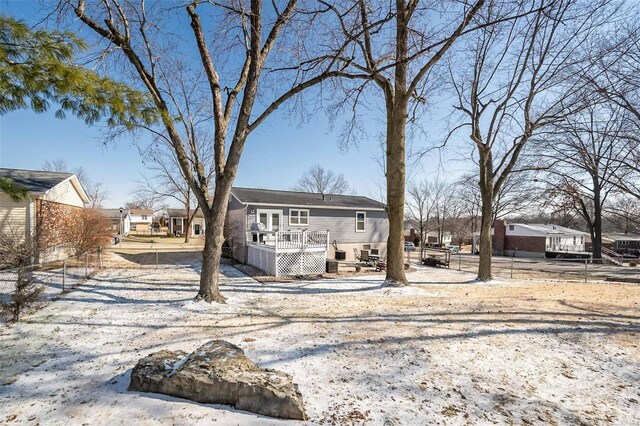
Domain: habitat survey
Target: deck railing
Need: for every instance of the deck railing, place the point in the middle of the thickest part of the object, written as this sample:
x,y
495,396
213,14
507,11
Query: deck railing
x,y
291,239
289,252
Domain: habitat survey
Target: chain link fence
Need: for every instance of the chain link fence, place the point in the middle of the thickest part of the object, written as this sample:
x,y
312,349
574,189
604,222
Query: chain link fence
x,y
54,278
584,270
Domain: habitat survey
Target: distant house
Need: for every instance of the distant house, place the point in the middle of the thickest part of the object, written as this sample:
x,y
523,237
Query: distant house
x,y
118,219
430,239
353,222
53,196
625,243
533,240
141,220
178,222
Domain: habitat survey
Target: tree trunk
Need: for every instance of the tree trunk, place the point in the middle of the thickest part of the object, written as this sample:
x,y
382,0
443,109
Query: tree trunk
x,y
486,195
396,109
187,233
212,252
596,242
395,196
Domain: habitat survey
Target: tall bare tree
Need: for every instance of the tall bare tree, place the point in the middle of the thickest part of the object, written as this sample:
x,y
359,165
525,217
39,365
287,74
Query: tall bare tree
x,y
397,45
246,35
585,158
322,181
517,85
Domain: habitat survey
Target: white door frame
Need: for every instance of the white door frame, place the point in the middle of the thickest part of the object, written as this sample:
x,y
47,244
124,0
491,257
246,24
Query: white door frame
x,y
269,213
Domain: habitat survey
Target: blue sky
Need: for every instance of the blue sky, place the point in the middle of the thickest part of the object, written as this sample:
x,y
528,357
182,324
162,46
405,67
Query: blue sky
x,y
275,155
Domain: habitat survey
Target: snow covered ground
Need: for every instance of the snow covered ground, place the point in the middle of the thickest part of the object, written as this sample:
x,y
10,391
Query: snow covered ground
x,y
445,351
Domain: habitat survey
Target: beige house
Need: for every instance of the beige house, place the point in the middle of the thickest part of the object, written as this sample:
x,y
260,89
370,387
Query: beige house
x,y
178,222
49,193
141,220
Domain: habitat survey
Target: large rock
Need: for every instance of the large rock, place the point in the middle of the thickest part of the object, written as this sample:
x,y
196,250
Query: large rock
x,y
218,372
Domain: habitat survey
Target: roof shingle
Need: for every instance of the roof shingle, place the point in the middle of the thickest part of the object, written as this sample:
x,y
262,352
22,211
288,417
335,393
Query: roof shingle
x,y
294,198
36,181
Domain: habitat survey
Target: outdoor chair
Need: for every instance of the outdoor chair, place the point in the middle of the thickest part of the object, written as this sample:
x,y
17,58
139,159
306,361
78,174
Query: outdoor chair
x,y
364,257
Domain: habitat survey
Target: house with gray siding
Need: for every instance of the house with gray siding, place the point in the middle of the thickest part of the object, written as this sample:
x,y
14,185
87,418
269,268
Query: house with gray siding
x,y
351,222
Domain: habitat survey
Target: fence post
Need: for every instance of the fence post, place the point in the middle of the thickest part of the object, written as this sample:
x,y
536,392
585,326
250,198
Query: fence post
x,y
512,267
156,258
86,265
64,273
585,270
100,257
459,261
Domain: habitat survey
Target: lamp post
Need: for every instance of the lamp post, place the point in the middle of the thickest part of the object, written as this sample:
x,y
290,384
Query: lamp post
x,y
121,226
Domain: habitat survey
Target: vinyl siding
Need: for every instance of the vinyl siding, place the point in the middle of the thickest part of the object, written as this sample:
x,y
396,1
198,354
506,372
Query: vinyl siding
x,y
14,217
137,218
64,193
341,224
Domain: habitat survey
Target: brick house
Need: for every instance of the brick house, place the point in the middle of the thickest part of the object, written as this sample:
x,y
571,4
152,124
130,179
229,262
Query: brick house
x,y
53,199
533,240
178,220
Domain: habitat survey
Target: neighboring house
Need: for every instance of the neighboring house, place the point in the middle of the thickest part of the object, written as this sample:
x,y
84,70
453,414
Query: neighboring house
x,y
118,219
533,240
53,196
625,243
141,220
178,222
431,237
353,222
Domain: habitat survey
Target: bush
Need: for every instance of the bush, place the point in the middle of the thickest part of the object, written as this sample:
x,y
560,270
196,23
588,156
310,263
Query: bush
x,y
24,294
91,229
15,250
633,264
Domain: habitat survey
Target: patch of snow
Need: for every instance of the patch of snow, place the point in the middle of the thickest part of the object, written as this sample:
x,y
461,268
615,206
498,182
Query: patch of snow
x,y
445,350
176,365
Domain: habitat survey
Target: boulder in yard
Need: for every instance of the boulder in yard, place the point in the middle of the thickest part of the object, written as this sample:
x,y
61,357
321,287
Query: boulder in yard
x,y
219,372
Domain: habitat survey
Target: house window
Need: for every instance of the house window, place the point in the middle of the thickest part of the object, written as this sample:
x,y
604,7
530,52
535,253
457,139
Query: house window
x,y
298,217
574,240
361,221
511,227
144,217
624,243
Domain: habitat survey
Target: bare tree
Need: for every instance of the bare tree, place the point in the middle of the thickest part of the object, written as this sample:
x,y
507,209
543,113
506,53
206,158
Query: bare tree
x,y
234,74
397,46
616,65
585,157
96,193
322,181
167,183
518,85
95,190
419,210
60,165
623,214
140,202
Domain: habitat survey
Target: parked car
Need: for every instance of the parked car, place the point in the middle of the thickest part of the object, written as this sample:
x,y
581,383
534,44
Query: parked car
x,y
409,247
